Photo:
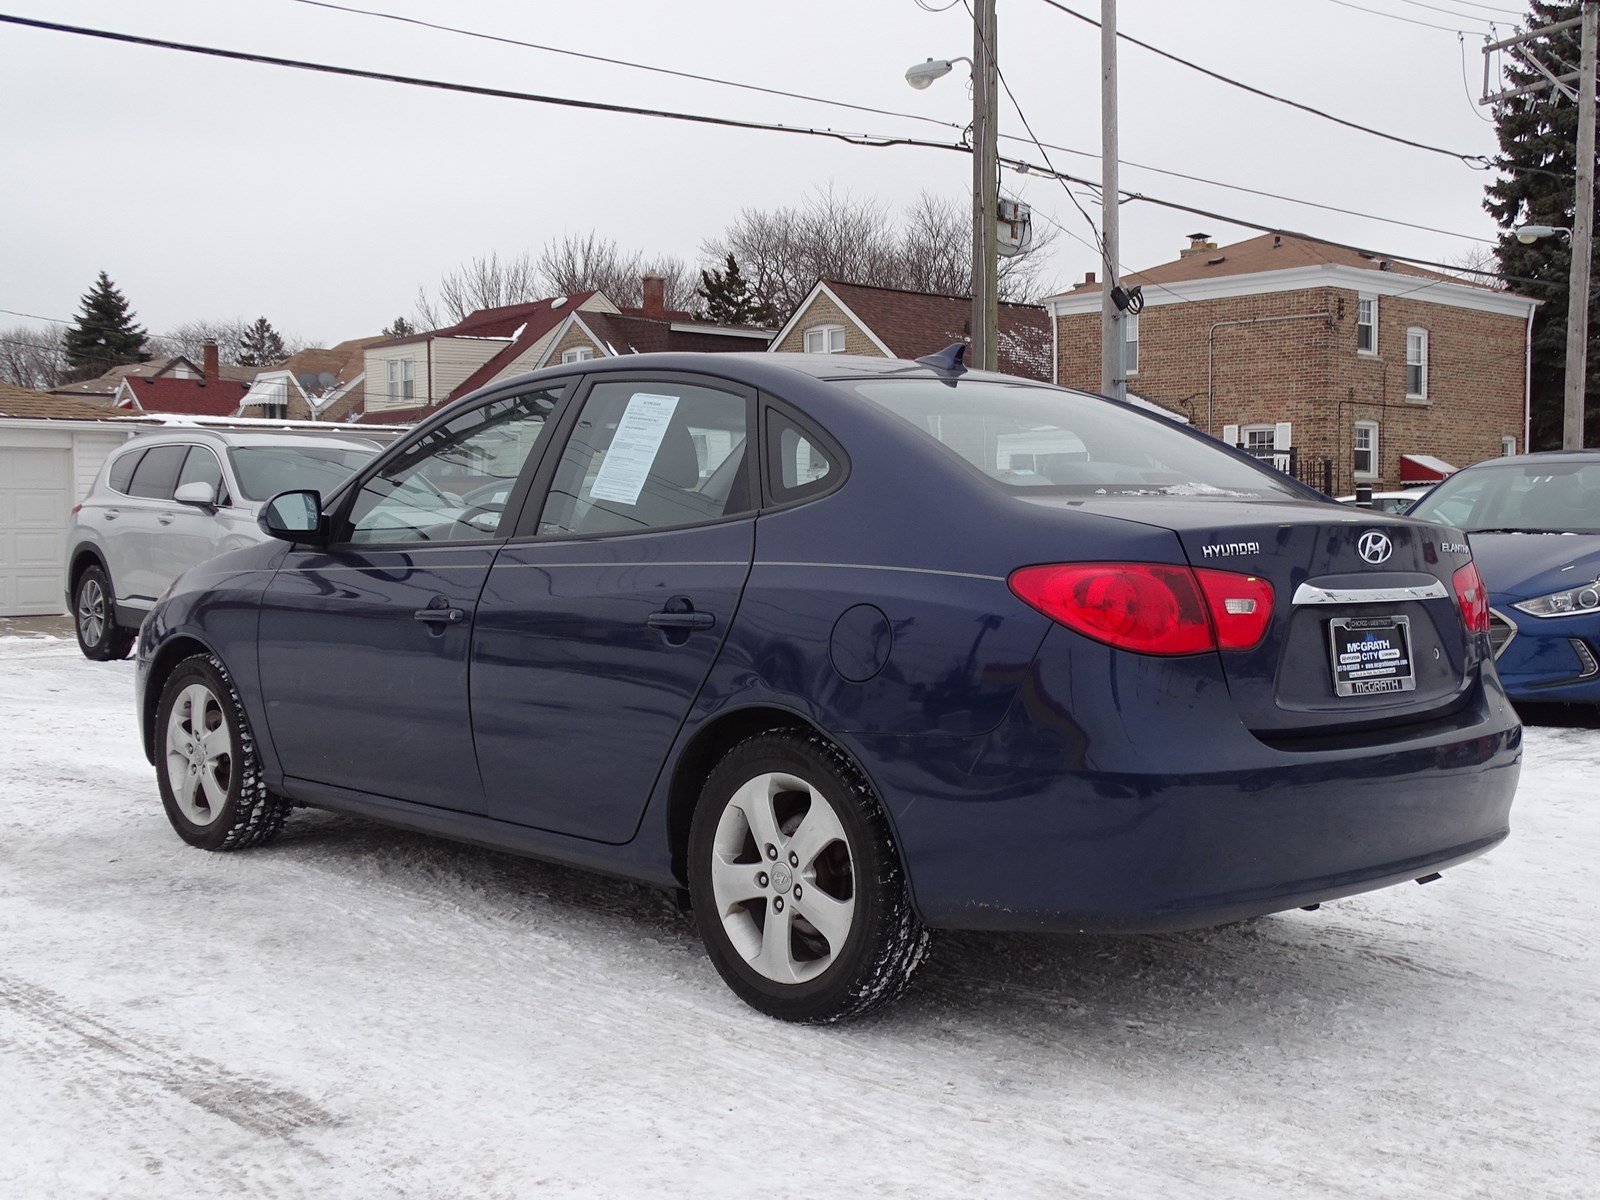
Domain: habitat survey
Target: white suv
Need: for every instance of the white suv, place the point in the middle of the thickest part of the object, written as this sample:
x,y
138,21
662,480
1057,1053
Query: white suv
x,y
166,501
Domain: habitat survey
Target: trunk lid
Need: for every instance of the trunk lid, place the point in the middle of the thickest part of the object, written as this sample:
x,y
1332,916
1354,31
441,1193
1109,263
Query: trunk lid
x,y
1392,605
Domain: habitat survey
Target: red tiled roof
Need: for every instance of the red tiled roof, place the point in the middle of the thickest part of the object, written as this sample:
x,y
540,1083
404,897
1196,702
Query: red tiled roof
x,y
194,397
913,324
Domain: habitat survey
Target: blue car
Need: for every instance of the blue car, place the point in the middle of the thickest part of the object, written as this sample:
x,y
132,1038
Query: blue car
x,y
845,650
1534,524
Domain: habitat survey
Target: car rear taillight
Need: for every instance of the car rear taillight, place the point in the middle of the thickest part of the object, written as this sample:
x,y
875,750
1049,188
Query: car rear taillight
x,y
1473,598
1150,608
76,509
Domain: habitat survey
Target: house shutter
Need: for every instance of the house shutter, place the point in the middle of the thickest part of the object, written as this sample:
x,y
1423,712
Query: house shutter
x,y
1280,435
1230,434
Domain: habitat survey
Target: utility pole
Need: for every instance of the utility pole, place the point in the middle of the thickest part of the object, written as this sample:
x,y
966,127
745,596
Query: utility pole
x,y
1113,379
985,189
1574,394
1578,86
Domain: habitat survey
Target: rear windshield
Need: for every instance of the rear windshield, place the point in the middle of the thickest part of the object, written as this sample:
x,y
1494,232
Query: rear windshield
x,y
1525,497
264,471
1039,439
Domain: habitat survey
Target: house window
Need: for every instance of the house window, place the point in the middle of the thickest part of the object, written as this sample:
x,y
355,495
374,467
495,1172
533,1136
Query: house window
x,y
1367,325
825,339
1508,445
1416,364
577,354
1366,450
1130,343
1258,439
402,381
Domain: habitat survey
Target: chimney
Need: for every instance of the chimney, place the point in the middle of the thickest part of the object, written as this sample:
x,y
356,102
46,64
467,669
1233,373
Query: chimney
x,y
655,295
212,371
1088,279
1199,243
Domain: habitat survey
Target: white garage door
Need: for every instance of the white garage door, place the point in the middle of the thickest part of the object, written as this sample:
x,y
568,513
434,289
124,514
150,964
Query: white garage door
x,y
35,503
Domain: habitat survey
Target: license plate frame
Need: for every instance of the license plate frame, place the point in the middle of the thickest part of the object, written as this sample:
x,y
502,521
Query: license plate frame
x,y
1365,661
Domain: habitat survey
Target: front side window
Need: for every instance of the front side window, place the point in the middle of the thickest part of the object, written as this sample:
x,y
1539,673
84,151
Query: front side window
x,y
452,484
1035,438
651,455
1130,343
157,473
402,380
577,354
264,471
1366,448
1367,325
1416,364
825,339
202,467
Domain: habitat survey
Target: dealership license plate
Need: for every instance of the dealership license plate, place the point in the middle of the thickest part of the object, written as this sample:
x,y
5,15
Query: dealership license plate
x,y
1371,655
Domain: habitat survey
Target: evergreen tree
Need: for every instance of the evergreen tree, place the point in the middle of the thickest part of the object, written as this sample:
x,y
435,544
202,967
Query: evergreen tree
x,y
400,328
729,299
1538,135
261,346
105,334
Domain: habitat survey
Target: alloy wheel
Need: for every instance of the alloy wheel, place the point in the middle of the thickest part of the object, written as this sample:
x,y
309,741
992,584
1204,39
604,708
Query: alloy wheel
x,y
783,878
91,611
199,754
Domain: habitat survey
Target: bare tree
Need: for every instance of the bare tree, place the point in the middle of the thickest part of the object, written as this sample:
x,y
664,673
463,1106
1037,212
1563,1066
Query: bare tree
x,y
573,263
31,358
834,235
1479,265
487,281
190,338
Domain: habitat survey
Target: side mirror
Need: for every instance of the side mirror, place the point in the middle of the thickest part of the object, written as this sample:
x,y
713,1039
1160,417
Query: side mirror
x,y
198,493
294,517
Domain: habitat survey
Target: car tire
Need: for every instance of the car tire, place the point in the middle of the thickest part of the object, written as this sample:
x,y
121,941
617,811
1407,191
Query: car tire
x,y
207,765
788,829
94,616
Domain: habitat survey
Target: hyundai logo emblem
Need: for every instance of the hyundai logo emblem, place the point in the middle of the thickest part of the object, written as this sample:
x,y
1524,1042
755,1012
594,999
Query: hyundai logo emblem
x,y
1374,547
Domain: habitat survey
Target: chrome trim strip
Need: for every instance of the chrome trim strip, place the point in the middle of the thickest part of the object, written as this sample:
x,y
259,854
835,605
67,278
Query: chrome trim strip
x,y
1511,637
882,567
1310,593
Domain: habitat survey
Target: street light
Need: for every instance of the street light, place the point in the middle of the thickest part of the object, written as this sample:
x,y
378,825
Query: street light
x,y
1529,234
924,73
985,176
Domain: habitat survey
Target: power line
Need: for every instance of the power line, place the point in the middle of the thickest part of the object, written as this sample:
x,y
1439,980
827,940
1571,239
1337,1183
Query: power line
x,y
623,62
1473,160
1449,12
856,139
1378,12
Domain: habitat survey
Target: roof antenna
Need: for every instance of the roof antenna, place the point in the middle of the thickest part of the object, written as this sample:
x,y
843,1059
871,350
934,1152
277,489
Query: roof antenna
x,y
952,358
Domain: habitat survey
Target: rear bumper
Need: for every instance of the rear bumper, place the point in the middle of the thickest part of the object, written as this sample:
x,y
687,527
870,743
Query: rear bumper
x,y
1165,814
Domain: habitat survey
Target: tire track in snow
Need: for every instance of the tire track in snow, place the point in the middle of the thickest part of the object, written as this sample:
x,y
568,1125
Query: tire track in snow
x,y
108,1060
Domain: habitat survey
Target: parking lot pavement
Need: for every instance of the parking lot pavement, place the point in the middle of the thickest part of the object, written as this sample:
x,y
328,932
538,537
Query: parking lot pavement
x,y
355,1011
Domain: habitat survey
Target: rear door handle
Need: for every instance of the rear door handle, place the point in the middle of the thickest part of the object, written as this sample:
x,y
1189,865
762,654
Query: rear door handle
x,y
445,616
109,516
680,620
164,520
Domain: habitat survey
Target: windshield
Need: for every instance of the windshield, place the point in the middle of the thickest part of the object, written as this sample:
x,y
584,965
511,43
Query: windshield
x,y
1526,497
1041,439
264,471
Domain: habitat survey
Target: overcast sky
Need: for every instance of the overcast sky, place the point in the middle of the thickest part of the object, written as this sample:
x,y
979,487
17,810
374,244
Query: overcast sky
x,y
213,189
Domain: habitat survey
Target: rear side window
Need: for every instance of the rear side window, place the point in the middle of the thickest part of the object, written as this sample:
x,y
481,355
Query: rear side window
x,y
157,473
122,471
799,465
651,455
1030,438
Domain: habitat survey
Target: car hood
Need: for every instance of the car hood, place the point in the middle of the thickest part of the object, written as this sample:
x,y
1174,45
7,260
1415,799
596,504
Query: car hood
x,y
1517,566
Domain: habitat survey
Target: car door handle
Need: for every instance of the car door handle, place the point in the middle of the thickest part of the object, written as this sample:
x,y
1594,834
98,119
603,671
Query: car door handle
x,y
109,516
680,620
164,520
446,616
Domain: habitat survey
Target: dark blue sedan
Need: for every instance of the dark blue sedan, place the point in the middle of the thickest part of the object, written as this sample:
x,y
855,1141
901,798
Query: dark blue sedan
x,y
847,650
1534,524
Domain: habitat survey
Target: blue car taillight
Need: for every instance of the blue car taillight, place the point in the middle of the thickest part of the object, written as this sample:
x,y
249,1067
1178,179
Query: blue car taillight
x,y
1151,608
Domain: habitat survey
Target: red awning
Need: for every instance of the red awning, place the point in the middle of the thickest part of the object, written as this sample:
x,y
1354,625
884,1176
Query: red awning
x,y
1418,469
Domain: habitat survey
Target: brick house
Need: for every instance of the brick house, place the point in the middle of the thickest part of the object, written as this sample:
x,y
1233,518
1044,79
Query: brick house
x,y
850,318
407,378
1308,353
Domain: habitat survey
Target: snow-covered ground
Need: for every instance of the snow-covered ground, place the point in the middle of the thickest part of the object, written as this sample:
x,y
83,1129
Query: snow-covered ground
x,y
355,1011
